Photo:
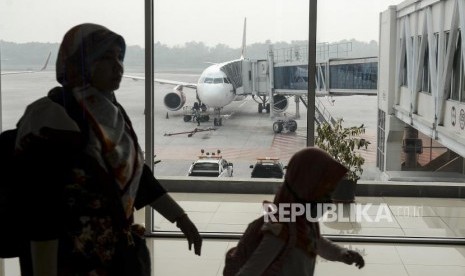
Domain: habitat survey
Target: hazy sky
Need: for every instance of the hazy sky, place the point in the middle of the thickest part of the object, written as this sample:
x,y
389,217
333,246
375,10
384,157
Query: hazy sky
x,y
180,21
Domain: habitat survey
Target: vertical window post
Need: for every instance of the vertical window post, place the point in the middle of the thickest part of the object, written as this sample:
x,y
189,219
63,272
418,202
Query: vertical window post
x,y
149,89
312,13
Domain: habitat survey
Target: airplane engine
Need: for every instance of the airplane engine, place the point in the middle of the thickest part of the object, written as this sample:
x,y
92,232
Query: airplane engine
x,y
280,103
175,100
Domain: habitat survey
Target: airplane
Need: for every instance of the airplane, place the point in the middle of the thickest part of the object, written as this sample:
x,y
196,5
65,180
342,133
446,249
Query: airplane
x,y
26,72
217,86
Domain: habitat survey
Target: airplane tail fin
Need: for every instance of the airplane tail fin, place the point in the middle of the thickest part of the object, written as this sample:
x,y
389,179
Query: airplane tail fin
x,y
243,38
46,62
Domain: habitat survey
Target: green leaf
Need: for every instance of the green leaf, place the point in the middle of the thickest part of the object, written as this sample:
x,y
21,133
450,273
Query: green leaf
x,y
340,142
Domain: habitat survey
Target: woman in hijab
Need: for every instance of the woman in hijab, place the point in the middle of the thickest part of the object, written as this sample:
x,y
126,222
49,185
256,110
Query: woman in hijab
x,y
290,248
88,173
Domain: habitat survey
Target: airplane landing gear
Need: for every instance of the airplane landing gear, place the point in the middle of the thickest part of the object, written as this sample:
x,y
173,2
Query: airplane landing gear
x,y
263,104
217,121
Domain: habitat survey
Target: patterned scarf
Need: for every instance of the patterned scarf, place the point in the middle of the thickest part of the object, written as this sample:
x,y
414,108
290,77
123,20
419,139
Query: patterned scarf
x,y
112,142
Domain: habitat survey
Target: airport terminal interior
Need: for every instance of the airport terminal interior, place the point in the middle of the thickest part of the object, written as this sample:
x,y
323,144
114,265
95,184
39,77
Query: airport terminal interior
x,y
433,229
412,217
407,214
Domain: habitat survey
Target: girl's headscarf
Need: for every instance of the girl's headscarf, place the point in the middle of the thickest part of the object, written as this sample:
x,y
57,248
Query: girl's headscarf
x,y
311,174
82,45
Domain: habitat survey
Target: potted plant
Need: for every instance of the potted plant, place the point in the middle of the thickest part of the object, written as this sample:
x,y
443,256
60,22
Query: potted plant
x,y
340,142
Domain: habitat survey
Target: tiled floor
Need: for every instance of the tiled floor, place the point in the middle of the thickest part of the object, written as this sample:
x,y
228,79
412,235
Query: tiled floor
x,y
171,257
377,216
410,217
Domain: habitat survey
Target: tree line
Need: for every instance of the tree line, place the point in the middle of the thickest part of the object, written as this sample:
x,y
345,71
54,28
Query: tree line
x,y
192,56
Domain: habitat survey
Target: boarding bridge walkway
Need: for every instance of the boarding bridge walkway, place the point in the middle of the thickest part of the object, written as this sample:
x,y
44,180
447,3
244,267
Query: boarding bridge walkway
x,y
284,74
334,75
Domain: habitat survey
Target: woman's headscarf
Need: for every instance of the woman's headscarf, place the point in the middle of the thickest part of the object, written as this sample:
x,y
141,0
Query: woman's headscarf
x,y
111,138
311,173
82,45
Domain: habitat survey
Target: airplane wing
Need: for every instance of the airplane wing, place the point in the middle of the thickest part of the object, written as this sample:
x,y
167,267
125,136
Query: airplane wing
x,y
162,81
30,71
17,72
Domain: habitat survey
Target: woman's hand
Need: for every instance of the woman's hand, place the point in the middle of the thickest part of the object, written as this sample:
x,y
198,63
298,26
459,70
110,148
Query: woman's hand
x,y
353,257
191,233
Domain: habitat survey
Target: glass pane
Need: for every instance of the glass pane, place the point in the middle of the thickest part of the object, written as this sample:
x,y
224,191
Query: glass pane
x,y
232,121
25,46
30,36
243,128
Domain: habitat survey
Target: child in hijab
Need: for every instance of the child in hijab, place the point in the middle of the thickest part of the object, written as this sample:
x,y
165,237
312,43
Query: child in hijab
x,y
290,248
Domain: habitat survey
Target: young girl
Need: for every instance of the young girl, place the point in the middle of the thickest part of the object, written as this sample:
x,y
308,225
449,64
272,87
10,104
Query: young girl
x,y
290,248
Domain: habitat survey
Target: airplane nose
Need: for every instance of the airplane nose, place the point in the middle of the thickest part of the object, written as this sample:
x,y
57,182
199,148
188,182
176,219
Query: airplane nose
x,y
215,96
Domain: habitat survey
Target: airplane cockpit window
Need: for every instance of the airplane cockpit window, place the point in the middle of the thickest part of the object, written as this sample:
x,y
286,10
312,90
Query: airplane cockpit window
x,y
218,80
226,80
208,80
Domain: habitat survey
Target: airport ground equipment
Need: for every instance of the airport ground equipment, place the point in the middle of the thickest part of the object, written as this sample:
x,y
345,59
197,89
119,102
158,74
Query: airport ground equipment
x,y
267,167
284,125
192,112
211,165
191,132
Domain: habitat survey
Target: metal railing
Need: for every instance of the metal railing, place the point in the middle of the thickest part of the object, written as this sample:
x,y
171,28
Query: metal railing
x,y
324,51
322,114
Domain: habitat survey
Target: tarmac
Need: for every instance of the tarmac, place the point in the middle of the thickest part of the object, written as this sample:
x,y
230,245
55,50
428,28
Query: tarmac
x,y
244,136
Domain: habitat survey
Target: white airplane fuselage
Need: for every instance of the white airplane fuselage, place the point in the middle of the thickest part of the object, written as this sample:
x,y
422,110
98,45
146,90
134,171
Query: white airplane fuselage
x,y
214,89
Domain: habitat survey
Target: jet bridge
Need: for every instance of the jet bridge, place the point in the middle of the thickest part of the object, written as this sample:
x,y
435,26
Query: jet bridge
x,y
234,72
284,74
422,88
